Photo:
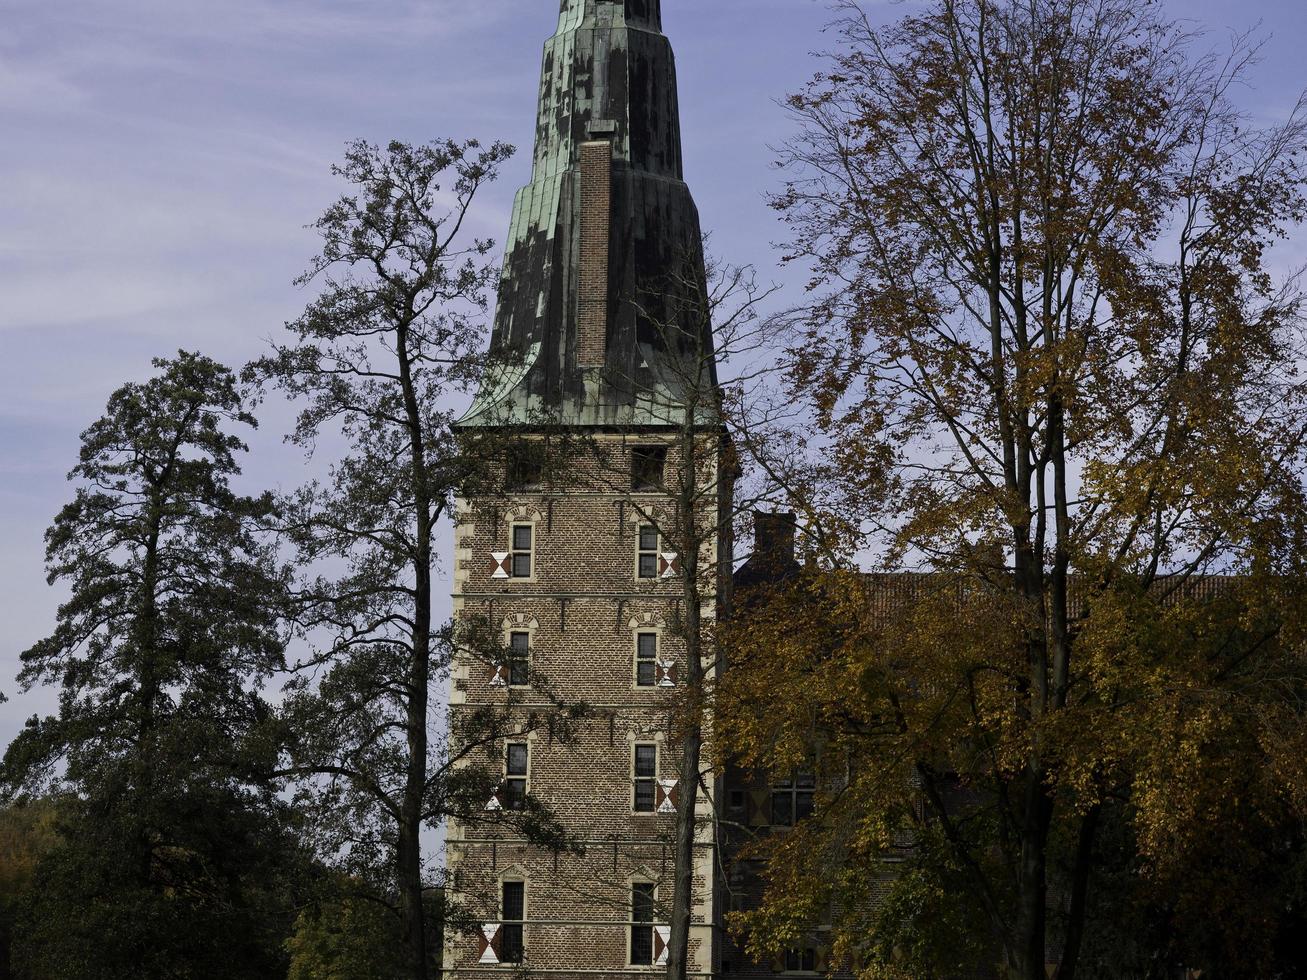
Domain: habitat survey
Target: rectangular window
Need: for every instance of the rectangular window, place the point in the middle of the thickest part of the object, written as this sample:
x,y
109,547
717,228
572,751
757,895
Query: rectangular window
x,y
737,804
511,948
801,960
519,659
642,916
648,551
646,659
791,799
515,768
646,777
522,550
647,464
782,808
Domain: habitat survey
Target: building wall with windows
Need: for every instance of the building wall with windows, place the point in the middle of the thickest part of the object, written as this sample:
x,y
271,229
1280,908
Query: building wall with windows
x,y
585,616
602,340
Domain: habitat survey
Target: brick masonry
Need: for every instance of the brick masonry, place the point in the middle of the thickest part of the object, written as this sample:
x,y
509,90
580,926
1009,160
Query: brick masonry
x,y
582,606
592,270
604,254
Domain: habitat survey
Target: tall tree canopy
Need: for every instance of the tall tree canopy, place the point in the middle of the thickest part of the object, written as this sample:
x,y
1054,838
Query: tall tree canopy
x,y
172,842
1053,366
381,358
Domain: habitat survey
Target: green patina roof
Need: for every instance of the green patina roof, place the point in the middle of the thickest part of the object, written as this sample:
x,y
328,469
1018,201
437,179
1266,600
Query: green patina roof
x,y
608,72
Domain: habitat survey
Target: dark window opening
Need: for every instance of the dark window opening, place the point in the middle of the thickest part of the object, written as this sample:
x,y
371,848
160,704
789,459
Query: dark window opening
x,y
510,930
526,466
522,541
648,551
515,766
642,916
647,466
801,960
736,804
519,659
646,773
791,799
646,659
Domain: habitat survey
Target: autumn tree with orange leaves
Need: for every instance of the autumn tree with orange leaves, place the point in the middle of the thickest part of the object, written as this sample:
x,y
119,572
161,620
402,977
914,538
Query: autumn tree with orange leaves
x,y
1056,375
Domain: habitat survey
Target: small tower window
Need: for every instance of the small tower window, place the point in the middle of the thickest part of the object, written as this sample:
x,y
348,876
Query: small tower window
x,y
523,540
646,659
513,914
646,778
519,659
642,916
647,466
516,763
647,561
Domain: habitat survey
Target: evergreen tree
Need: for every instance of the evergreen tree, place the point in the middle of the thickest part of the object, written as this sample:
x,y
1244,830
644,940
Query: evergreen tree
x,y
172,844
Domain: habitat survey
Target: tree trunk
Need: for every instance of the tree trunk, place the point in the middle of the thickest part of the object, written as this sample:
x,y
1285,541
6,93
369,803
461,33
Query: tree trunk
x,y
409,849
683,890
691,753
678,954
1032,889
148,652
1075,929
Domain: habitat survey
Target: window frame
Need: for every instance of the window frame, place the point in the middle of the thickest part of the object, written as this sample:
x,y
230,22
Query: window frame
x,y
518,658
638,779
651,661
524,468
516,801
645,927
641,552
803,955
798,785
515,552
512,955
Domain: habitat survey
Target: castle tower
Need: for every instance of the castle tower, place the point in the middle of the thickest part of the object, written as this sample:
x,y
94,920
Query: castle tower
x,y
602,346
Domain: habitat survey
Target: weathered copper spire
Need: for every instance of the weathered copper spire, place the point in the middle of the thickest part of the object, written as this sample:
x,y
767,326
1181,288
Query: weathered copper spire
x,y
601,299
640,13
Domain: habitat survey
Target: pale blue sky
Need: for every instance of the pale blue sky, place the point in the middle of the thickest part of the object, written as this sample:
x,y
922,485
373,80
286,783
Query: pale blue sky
x,y
159,159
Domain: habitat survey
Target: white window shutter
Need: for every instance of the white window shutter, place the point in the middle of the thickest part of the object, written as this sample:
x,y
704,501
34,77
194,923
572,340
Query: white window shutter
x,y
500,677
759,808
662,942
501,564
667,674
495,802
666,796
669,564
489,940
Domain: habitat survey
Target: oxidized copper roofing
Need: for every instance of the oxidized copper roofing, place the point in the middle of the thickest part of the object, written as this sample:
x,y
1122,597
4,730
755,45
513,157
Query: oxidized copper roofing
x,y
608,73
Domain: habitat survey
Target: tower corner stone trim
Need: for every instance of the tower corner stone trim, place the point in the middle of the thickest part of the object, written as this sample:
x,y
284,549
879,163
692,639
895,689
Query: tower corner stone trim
x,y
592,273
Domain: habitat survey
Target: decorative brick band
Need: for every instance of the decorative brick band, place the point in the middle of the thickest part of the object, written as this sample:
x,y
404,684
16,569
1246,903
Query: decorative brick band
x,y
592,270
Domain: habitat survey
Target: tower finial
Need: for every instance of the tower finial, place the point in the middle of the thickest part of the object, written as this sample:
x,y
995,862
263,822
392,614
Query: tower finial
x,y
640,13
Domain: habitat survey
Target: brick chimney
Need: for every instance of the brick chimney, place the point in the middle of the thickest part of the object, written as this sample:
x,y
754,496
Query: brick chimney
x,y
773,542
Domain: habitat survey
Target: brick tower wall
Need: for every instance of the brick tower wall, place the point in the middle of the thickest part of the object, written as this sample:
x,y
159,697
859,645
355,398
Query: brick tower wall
x,y
583,605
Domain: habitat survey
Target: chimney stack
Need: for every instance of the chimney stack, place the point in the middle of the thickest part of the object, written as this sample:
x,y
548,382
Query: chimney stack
x,y
773,541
